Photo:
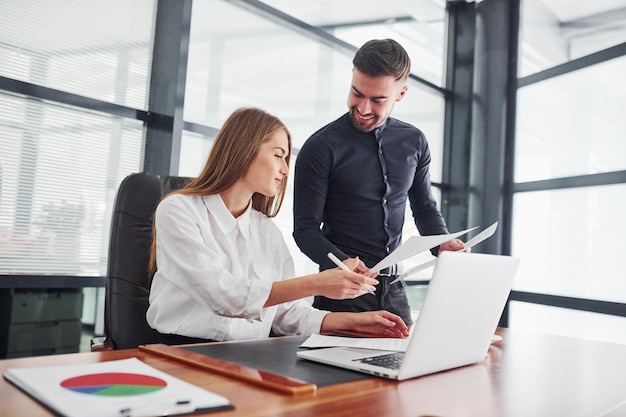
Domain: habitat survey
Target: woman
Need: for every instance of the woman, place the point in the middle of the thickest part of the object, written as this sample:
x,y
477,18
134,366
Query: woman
x,y
222,266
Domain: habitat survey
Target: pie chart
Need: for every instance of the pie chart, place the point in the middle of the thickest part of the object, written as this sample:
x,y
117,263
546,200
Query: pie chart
x,y
114,384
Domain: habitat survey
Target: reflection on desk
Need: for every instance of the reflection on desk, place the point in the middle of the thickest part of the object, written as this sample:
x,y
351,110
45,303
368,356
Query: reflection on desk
x,y
526,374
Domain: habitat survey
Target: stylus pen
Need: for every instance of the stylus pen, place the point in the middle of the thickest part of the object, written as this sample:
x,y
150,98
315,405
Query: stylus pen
x,y
343,266
153,410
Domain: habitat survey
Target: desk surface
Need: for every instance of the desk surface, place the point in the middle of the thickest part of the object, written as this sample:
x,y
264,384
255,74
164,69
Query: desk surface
x,y
525,374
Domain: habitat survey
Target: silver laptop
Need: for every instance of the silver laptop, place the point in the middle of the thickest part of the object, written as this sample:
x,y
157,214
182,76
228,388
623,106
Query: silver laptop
x,y
463,304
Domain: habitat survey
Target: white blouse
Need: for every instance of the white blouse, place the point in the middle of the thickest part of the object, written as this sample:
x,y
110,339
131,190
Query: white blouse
x,y
215,273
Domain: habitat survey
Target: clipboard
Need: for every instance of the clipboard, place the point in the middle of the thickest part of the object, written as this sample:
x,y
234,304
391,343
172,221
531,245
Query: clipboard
x,y
125,388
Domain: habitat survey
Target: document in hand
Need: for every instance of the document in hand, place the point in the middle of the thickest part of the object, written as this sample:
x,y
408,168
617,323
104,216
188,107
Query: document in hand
x,y
121,388
467,245
414,246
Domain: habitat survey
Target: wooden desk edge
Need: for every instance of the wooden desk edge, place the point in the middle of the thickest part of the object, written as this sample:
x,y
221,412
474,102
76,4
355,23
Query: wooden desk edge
x,y
258,377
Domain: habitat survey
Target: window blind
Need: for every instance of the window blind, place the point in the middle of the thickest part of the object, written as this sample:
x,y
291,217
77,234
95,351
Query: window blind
x,y
60,166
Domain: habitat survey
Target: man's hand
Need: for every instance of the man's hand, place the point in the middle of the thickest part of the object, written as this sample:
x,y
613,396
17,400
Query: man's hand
x,y
453,245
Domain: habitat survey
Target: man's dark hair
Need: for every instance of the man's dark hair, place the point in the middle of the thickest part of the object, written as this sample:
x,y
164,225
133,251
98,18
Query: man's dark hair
x,y
381,58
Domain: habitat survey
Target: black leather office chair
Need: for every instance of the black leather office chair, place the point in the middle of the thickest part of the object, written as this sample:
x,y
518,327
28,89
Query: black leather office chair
x,y
128,280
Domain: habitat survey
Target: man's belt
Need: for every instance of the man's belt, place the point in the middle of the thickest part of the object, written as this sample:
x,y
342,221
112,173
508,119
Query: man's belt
x,y
390,271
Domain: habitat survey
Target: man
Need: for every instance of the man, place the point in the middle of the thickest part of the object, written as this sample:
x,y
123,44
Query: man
x,y
354,175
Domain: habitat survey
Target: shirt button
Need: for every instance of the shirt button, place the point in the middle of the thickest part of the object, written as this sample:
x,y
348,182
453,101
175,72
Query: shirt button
x,y
380,151
385,177
384,201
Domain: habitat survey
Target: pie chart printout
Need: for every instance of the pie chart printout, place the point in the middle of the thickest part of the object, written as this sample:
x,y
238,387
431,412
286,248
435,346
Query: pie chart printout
x,y
114,384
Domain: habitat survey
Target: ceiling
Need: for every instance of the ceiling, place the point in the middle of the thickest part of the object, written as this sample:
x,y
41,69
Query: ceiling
x,y
326,12
313,12
552,30
568,10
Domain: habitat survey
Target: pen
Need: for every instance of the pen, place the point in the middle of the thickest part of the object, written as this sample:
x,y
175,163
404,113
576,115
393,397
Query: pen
x,y
414,270
343,266
159,410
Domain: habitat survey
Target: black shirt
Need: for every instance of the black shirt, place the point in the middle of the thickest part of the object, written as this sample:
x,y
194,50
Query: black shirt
x,y
351,187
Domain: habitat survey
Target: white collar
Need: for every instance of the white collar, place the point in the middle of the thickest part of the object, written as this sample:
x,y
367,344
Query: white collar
x,y
225,220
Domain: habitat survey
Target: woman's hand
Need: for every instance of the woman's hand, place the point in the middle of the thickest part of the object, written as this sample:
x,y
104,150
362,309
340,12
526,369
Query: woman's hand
x,y
333,283
359,267
339,284
377,323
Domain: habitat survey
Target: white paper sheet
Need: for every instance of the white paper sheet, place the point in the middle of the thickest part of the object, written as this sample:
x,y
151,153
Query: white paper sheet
x,y
481,236
377,343
467,245
414,246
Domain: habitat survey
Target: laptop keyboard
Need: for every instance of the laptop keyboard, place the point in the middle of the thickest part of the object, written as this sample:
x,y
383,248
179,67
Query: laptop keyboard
x,y
388,360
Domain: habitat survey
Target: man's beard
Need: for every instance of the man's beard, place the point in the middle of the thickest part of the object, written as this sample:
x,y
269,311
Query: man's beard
x,y
362,127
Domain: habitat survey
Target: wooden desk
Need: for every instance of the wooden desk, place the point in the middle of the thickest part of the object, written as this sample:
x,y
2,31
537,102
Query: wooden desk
x,y
525,375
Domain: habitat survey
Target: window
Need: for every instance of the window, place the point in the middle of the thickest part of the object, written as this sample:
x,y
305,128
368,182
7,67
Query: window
x,y
99,50
60,168
60,165
572,124
571,242
569,167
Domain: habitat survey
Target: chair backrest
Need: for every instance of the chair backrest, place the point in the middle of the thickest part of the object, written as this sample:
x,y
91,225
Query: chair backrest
x,y
128,280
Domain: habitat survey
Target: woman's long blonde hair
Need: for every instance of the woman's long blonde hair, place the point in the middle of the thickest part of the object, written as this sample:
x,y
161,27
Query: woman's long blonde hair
x,y
236,145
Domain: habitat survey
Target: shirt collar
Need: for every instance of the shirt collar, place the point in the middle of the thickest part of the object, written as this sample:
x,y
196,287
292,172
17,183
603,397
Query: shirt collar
x,y
225,220
380,128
